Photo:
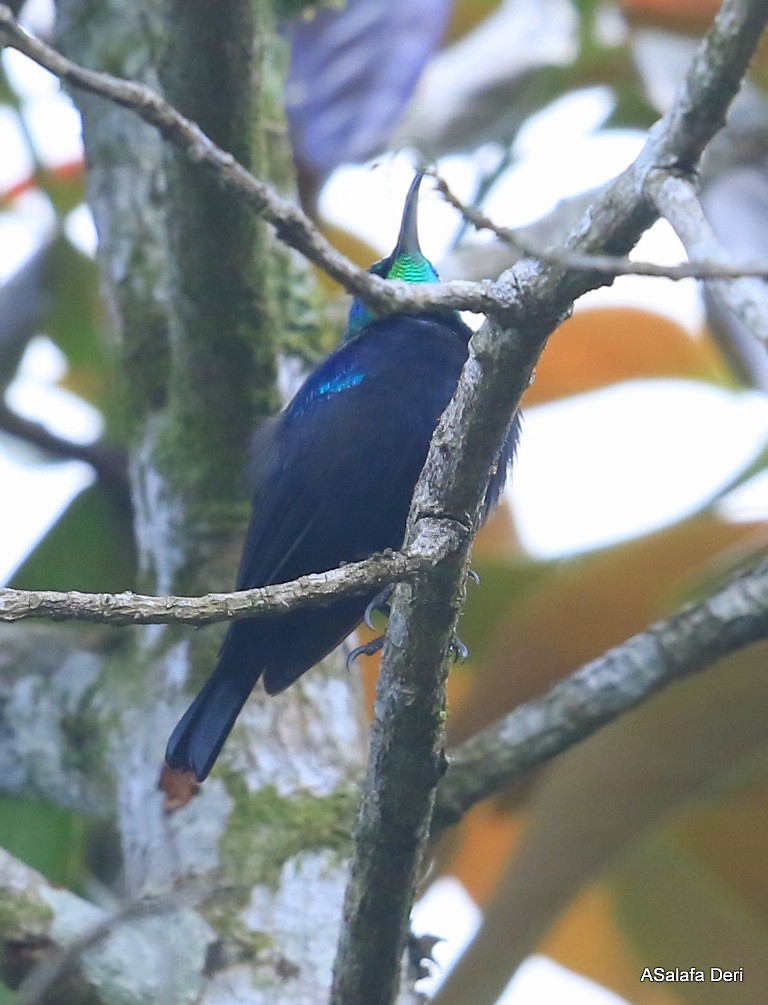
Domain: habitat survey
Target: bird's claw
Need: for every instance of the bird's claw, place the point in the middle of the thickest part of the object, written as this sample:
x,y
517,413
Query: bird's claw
x,y
379,603
471,574
458,650
369,649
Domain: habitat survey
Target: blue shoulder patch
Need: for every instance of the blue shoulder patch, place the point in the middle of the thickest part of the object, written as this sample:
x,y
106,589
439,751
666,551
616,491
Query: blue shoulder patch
x,y
341,382
310,395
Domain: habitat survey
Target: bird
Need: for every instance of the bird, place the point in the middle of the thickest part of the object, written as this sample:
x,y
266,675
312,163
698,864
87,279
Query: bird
x,y
334,473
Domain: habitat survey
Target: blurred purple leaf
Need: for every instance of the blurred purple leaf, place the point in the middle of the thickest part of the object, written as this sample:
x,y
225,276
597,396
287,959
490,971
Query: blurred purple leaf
x,y
352,73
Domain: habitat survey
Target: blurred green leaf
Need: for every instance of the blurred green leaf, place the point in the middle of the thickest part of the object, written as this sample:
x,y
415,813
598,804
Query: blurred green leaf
x,y
74,322
90,549
45,837
682,915
632,110
64,185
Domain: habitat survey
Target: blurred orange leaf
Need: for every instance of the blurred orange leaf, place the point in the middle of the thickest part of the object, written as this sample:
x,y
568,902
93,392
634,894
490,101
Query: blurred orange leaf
x,y
487,839
693,16
355,248
575,610
604,345
589,940
601,799
65,184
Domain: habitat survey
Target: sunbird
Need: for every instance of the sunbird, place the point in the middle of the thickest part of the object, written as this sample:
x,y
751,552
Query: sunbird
x,y
334,473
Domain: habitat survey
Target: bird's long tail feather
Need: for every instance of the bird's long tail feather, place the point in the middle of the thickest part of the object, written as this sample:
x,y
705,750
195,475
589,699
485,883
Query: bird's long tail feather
x,y
200,733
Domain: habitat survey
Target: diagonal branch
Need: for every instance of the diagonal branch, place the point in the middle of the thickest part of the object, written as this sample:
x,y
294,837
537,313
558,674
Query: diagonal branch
x,y
746,298
108,462
42,924
398,791
292,226
692,639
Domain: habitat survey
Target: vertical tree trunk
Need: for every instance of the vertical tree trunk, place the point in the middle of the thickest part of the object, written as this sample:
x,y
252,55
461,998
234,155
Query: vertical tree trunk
x,y
198,306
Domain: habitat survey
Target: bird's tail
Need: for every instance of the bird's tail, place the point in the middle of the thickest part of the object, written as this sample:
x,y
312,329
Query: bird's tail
x,y
199,735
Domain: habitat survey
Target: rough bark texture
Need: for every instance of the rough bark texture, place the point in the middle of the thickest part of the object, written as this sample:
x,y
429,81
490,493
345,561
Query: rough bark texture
x,y
196,301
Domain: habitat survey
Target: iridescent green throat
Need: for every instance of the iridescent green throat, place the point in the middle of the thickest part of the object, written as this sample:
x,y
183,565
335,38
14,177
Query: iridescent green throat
x,y
408,267
413,268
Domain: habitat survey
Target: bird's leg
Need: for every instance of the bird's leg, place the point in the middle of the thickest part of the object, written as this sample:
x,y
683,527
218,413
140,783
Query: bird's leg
x,y
456,648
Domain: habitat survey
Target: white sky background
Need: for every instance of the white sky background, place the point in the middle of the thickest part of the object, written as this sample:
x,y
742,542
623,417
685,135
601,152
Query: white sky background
x,y
591,470
446,909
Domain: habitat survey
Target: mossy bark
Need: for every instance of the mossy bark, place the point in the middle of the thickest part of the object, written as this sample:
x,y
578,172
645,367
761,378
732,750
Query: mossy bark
x,y
201,297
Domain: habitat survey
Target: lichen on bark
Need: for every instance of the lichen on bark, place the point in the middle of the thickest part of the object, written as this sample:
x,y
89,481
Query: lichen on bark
x,y
201,298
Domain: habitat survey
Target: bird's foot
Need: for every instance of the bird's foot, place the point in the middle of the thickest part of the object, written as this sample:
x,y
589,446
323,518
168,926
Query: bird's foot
x,y
457,649
379,603
369,649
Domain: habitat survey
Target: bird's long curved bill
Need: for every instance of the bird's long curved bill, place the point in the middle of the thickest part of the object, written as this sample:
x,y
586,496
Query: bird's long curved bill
x,y
408,238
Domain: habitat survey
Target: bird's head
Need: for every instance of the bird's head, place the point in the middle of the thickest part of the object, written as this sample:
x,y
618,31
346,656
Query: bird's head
x,y
406,261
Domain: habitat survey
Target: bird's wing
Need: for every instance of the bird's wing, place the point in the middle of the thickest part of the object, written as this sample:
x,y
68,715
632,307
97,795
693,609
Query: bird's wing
x,y
335,471
282,514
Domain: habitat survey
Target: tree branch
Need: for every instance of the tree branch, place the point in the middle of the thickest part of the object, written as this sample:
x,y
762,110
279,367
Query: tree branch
x,y
118,609
108,462
692,639
297,230
410,695
746,298
526,304
712,261
292,226
39,923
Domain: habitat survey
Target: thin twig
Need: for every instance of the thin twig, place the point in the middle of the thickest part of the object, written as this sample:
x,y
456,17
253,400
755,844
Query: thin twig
x,y
297,230
34,988
710,264
109,463
71,940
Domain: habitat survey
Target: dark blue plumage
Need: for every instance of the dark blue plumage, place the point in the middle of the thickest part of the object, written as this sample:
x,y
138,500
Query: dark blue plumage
x,y
334,475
